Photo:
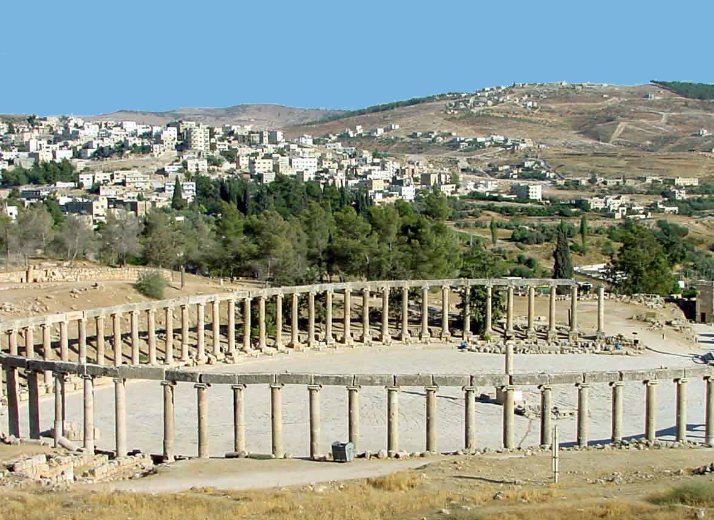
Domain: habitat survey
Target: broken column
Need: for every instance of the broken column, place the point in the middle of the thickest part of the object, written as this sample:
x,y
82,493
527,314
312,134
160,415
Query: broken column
x,y
546,419
681,409
276,420
353,415
574,313
202,409
311,319
431,418
33,403
262,333
169,344
445,333
231,331
709,420
469,418
294,322
329,338
59,411
278,344
314,392
509,312
238,418
216,327
651,410
424,334
488,327
201,332
347,337
88,414
185,326
552,331
385,335
601,312
99,325
583,414
120,417
405,314
392,420
508,417
134,324
530,332
151,326
466,333
616,411
246,324
169,436
366,337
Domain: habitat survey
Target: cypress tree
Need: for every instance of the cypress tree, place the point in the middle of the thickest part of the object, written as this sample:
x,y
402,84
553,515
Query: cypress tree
x,y
177,201
563,264
494,232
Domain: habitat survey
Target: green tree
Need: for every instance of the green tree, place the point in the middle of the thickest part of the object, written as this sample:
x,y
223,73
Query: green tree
x,y
562,262
75,238
584,232
177,201
641,264
494,232
34,230
120,237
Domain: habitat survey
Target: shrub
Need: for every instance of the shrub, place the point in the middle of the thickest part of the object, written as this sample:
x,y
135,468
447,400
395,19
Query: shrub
x,y
700,494
151,284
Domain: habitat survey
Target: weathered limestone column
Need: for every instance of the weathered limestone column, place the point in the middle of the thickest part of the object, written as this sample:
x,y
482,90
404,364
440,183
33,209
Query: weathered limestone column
x,y
405,314
169,345
329,339
424,334
201,332
294,322
347,337
262,340
681,409
709,420
601,312
508,417
488,328
366,337
30,343
151,325
246,324
64,341
276,420
134,323
431,418
470,418
392,420
12,340
651,410
33,403
88,414
314,391
12,386
202,408
574,313
546,418
445,333
617,387
216,327
185,325
59,412
530,333
353,415
552,331
466,333
99,325
82,336
47,349
278,321
232,328
238,418
583,414
386,337
509,311
509,359
311,319
120,417
169,435
116,325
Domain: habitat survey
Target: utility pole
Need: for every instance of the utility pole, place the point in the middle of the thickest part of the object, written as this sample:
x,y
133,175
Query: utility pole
x,y
555,449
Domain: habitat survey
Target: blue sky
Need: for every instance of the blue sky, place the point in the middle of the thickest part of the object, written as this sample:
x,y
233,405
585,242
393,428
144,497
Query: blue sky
x,y
81,57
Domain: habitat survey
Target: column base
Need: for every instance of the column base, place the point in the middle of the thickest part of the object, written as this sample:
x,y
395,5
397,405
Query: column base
x,y
406,339
552,335
531,335
600,335
445,337
509,334
425,338
573,337
367,341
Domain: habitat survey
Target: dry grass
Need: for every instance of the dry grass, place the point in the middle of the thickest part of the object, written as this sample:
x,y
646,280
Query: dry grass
x,y
697,493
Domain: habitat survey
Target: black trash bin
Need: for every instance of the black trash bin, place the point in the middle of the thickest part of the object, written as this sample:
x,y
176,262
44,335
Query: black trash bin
x,y
343,451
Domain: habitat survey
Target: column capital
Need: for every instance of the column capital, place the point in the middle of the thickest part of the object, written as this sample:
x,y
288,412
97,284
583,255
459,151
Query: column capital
x,y
238,387
681,380
392,388
168,383
616,383
468,388
650,382
201,386
87,377
314,388
354,388
277,386
432,388
543,388
582,385
119,380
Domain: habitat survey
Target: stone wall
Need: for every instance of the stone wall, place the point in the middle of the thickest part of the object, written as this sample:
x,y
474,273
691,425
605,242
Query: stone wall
x,y
79,274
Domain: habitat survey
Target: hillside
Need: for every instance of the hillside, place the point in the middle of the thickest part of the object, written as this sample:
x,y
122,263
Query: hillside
x,y
259,115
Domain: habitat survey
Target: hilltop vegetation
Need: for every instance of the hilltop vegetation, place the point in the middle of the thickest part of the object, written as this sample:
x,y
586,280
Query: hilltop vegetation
x,y
689,90
383,107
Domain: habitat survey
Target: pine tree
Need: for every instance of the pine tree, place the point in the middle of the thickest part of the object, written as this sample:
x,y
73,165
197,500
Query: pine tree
x,y
177,201
563,264
584,232
494,232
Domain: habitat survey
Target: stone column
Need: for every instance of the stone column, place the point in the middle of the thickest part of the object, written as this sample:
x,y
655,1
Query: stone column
x,y
216,327
445,334
329,339
201,332
314,391
261,323
151,325
470,418
583,414
202,408
530,333
99,325
311,319
30,343
386,336
681,409
13,401
116,324
366,337
392,420
134,322
279,321
651,410
33,403
232,328
120,417
169,345
294,322
347,337
552,331
488,328
709,420
509,359
276,420
185,325
424,334
246,324
601,312
574,313
546,417
238,418
47,350
12,340
405,314
82,336
59,412
169,450
616,411
509,311
88,414
353,415
508,417
466,333
64,341
431,419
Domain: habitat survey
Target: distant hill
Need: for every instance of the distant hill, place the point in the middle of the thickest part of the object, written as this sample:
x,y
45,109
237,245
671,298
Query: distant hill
x,y
687,89
259,115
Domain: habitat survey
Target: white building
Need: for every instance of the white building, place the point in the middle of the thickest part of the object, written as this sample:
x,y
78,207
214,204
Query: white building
x,y
528,191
